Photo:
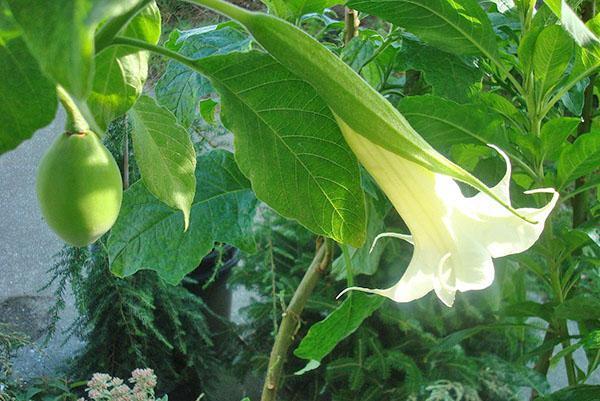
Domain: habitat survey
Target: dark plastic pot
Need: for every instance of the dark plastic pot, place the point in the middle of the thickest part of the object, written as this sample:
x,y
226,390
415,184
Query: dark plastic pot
x,y
211,286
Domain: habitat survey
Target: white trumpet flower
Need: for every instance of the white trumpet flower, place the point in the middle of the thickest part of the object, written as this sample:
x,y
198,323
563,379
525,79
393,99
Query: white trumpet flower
x,y
454,237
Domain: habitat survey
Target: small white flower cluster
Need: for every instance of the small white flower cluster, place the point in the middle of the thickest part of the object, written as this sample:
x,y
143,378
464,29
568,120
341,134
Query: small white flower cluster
x,y
103,387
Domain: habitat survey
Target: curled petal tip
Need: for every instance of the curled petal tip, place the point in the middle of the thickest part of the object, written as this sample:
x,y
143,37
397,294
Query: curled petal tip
x,y
343,292
405,237
542,190
357,289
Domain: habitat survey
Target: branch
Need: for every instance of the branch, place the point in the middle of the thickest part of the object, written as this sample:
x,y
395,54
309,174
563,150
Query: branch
x,y
291,320
351,24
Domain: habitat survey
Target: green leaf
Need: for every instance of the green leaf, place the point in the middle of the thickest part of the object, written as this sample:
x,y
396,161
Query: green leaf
x,y
60,34
293,9
165,155
208,108
27,98
180,88
551,55
579,159
580,392
530,309
444,123
121,72
361,49
554,135
574,98
449,76
310,366
149,235
456,27
572,23
504,107
580,307
364,259
288,144
323,336
527,48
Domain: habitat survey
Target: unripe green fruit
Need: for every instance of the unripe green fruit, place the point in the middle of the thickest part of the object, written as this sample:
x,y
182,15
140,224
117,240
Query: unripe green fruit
x,y
79,188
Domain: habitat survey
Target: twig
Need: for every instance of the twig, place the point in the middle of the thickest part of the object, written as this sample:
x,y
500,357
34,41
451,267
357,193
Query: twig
x,y
291,320
351,24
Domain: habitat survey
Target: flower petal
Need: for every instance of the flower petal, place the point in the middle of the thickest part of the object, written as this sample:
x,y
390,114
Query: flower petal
x,y
500,231
444,283
417,281
472,266
406,237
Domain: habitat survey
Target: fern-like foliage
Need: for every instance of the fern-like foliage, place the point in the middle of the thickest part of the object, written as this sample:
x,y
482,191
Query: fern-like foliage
x,y
136,321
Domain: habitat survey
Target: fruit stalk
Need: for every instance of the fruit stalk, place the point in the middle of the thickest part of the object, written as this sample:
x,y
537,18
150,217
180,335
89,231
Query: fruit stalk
x,y
75,123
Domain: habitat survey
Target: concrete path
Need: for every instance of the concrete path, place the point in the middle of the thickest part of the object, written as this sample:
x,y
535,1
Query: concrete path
x,y
26,249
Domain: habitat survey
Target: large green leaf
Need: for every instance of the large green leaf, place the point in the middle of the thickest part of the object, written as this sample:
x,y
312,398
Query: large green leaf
x,y
323,336
293,9
573,24
554,135
449,75
121,71
180,88
581,307
60,34
288,144
456,27
579,159
444,123
27,98
165,155
587,60
149,235
551,55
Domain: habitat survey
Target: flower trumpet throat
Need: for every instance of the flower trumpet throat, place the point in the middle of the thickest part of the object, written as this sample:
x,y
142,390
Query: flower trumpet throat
x,y
454,237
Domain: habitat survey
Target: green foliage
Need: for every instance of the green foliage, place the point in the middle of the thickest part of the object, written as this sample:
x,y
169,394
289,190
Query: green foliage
x,y
463,75
150,235
23,108
120,72
443,124
10,342
306,156
462,29
322,337
373,362
180,87
572,23
551,55
450,76
61,36
579,159
166,156
294,9
43,389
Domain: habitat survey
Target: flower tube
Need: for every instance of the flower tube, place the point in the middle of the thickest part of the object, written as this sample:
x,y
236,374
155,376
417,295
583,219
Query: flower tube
x,y
454,237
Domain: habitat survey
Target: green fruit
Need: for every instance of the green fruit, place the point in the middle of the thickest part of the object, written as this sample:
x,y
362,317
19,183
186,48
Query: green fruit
x,y
79,188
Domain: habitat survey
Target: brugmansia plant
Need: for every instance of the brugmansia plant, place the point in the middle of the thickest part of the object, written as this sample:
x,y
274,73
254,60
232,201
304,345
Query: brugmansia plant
x,y
304,120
